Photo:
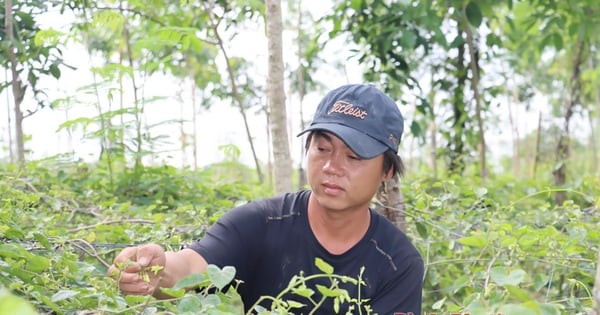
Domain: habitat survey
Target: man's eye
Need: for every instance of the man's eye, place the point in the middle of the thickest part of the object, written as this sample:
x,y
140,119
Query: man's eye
x,y
354,157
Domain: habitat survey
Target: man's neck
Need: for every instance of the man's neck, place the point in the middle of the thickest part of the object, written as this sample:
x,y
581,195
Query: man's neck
x,y
338,230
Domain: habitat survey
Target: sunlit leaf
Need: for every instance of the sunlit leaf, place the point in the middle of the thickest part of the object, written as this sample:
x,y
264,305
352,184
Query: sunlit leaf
x,y
13,305
220,277
197,280
63,295
506,276
37,263
323,266
474,240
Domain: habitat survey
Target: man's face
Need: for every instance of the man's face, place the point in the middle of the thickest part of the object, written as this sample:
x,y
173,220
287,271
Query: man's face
x,y
339,179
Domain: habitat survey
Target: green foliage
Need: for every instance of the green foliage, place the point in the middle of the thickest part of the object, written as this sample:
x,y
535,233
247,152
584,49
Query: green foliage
x,y
36,55
502,247
61,226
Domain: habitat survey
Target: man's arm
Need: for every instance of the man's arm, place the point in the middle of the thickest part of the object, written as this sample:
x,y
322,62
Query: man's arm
x,y
179,265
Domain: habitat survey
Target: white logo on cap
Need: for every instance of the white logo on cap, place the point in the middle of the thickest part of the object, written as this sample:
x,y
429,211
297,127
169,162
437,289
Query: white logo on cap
x,y
347,109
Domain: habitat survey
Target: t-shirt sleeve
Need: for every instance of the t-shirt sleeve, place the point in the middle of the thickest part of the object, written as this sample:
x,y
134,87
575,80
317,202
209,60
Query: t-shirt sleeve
x,y
403,293
232,240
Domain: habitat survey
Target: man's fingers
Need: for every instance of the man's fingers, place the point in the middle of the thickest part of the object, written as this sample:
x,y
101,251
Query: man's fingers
x,y
127,254
132,283
127,277
138,288
147,253
130,269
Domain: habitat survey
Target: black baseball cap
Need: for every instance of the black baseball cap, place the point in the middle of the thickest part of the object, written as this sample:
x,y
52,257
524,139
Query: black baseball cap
x,y
363,117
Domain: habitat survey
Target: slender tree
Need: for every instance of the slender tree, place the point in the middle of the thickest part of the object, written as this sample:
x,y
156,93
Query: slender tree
x,y
466,24
276,98
18,88
29,57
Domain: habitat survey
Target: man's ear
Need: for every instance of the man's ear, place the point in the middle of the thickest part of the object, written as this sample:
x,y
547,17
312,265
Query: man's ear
x,y
389,174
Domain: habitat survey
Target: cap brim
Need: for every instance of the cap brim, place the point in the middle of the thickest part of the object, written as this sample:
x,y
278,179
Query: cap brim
x,y
360,143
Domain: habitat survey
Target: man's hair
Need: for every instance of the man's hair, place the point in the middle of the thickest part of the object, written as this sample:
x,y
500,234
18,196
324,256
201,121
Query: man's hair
x,y
391,160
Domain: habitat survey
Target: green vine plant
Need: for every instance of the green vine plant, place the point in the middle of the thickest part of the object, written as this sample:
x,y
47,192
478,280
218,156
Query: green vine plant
x,y
297,286
214,295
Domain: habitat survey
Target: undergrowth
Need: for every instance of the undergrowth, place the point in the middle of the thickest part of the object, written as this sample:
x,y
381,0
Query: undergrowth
x,y
502,247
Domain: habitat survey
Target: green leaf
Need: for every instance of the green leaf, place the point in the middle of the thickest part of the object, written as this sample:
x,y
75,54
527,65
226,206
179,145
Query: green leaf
x,y
473,14
327,291
63,295
355,4
197,280
504,276
539,281
189,304
11,250
481,191
303,291
473,240
54,71
12,304
422,229
476,307
295,304
439,303
37,263
135,299
150,310
176,293
550,309
518,293
323,266
220,277
515,309
42,239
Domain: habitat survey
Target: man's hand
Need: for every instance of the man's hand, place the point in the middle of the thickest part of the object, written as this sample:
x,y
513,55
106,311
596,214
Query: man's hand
x,y
138,269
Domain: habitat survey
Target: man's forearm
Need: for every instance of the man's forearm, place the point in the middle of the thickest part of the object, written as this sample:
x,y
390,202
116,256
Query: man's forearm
x,y
178,265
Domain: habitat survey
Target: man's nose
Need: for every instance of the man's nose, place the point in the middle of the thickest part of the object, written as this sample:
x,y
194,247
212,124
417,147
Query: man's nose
x,y
334,165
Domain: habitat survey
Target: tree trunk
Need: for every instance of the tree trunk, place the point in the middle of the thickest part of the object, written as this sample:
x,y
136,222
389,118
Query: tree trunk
x,y
433,131
592,143
456,144
300,76
536,156
11,153
182,134
515,131
594,121
139,108
18,88
563,147
391,202
276,99
195,125
473,64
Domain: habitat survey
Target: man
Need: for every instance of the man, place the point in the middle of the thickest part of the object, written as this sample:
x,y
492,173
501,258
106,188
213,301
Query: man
x,y
352,148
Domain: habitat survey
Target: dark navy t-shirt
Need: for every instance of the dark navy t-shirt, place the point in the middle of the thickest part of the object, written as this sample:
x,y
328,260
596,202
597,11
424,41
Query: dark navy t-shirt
x,y
270,241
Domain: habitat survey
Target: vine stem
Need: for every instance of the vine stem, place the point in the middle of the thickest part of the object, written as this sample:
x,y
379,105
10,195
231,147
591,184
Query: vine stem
x,y
293,284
